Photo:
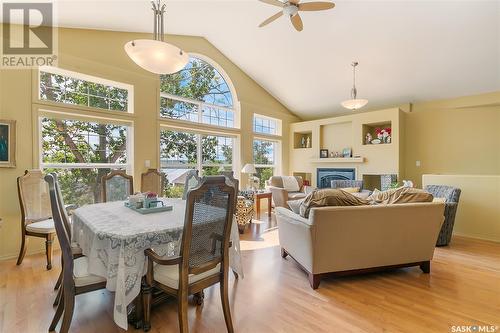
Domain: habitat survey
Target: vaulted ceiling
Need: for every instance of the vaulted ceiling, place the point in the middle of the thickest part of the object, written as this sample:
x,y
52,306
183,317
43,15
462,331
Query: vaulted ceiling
x,y
408,51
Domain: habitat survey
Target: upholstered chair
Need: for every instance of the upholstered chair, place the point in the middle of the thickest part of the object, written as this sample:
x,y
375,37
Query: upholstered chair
x,y
117,186
72,284
452,196
203,259
286,188
36,215
153,181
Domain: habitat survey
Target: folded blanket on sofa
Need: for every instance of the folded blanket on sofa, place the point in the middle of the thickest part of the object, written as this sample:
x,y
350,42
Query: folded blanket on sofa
x,y
329,197
400,195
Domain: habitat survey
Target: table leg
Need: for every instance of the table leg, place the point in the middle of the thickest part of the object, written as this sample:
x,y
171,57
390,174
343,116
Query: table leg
x,y
269,206
257,203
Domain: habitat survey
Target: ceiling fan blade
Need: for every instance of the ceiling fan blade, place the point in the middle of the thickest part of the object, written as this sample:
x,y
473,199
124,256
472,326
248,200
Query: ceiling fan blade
x,y
313,6
297,22
272,18
295,2
273,2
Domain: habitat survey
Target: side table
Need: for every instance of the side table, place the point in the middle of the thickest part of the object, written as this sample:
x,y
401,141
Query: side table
x,y
263,195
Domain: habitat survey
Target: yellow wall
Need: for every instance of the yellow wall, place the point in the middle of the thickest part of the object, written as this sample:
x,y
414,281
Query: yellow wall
x,y
478,213
100,53
455,136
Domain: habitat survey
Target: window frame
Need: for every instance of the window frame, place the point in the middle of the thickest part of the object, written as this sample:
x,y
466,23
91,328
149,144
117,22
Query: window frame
x,y
129,166
88,78
278,129
199,153
276,166
236,109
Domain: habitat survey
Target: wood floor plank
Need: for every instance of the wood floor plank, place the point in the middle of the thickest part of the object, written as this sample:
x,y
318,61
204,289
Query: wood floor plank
x,y
462,289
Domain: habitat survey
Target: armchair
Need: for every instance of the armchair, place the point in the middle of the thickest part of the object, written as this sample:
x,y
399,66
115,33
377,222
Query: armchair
x,y
451,195
286,188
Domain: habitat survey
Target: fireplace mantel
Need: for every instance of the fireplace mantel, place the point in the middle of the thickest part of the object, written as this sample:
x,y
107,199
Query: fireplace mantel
x,y
339,160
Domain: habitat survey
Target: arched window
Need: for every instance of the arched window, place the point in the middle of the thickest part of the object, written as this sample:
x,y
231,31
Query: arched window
x,y
199,93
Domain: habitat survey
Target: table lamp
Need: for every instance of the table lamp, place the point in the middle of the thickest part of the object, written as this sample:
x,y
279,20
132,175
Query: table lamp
x,y
249,169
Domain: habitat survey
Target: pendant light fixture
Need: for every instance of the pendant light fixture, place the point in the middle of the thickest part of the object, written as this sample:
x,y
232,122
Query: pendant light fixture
x,y
155,55
354,103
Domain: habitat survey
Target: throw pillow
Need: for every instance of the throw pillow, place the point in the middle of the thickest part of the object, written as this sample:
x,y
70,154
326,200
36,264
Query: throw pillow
x,y
290,183
350,189
329,197
400,195
295,205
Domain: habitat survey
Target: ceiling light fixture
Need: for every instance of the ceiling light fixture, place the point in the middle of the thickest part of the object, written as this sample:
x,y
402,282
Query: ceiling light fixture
x,y
354,103
155,55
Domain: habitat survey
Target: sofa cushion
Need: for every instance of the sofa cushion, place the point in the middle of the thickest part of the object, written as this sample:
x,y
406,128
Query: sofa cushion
x,y
296,195
400,195
295,205
290,183
329,197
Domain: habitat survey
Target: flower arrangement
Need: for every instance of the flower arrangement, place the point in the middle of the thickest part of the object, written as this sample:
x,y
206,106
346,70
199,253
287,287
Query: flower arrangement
x,y
383,134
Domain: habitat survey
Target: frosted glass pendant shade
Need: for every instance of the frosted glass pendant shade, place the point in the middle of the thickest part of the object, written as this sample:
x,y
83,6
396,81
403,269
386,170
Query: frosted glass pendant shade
x,y
156,56
354,104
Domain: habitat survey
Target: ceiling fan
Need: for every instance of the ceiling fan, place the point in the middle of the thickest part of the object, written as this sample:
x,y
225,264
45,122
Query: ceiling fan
x,y
291,9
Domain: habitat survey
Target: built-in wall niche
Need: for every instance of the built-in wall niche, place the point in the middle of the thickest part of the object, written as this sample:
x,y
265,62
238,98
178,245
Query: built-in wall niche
x,y
305,176
381,182
336,137
302,139
377,133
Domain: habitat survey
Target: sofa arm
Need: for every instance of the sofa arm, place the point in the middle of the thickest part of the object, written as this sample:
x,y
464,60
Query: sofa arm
x,y
280,196
296,236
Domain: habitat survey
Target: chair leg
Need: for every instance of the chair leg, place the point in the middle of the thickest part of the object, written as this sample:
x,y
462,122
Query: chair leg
x,y
58,283
57,315
236,276
146,306
58,299
48,250
69,306
22,251
182,309
225,302
199,297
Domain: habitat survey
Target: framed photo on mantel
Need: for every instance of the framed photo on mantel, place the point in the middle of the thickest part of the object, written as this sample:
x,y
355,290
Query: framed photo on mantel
x,y
7,143
323,153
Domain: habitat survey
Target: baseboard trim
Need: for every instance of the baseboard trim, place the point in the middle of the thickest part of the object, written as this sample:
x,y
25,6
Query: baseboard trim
x,y
14,256
459,234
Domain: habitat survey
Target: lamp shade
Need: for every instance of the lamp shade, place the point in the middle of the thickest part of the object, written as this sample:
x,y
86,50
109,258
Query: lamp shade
x,y
354,104
249,168
156,56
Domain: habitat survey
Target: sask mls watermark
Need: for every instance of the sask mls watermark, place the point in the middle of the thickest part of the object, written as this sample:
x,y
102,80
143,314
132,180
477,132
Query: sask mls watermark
x,y
28,36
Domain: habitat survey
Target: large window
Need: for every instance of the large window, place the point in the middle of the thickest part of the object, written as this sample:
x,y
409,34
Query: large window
x,y
81,152
198,93
67,87
181,151
266,125
264,158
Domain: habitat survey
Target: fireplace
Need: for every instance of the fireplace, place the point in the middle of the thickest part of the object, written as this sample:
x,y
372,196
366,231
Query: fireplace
x,y
326,175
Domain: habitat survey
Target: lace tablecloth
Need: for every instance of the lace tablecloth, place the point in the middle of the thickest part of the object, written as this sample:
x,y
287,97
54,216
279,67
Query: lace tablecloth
x,y
114,238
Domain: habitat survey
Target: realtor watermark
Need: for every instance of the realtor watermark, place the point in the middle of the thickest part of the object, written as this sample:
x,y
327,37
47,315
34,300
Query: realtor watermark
x,y
29,38
474,329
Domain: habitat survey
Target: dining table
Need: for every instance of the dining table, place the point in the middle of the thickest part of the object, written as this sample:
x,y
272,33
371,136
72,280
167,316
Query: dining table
x,y
113,238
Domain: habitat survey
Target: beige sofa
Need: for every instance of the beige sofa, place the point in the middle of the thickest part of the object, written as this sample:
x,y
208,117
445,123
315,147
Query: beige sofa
x,y
281,195
344,240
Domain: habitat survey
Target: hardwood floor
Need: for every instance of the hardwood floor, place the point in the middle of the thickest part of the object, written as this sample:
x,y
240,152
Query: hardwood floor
x,y
462,289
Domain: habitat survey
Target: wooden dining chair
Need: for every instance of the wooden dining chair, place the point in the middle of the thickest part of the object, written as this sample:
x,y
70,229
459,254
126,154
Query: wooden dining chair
x,y
36,216
192,180
152,181
117,186
76,279
204,252
76,250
